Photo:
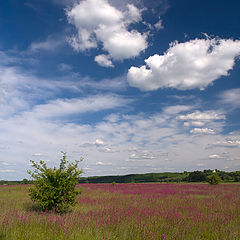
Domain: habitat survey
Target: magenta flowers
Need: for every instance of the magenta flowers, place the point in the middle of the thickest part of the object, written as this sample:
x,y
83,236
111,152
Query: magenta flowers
x,y
128,212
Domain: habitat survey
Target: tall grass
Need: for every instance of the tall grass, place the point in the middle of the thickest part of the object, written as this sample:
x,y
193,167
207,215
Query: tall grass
x,y
127,211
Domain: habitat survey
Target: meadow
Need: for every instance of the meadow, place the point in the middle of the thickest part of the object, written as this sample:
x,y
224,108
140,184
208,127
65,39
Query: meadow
x,y
155,211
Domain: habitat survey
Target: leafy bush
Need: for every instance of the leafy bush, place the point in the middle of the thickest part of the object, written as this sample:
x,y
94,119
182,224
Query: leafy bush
x,y
213,179
54,189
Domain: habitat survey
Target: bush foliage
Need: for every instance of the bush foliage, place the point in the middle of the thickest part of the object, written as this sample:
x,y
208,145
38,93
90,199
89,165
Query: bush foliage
x,y
213,179
54,189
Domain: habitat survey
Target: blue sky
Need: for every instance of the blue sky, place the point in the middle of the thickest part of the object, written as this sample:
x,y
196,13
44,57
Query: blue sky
x,y
132,86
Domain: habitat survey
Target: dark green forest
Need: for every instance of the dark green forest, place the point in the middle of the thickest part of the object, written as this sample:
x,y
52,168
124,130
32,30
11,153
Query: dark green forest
x,y
195,176
168,177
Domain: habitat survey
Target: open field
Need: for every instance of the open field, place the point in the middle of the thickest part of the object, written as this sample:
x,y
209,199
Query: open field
x,y
127,211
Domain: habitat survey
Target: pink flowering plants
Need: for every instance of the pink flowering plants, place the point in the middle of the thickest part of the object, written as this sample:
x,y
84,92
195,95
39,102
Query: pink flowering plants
x,y
126,211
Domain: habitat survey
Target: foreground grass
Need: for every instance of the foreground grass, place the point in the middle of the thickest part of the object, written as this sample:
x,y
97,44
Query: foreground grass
x,y
127,211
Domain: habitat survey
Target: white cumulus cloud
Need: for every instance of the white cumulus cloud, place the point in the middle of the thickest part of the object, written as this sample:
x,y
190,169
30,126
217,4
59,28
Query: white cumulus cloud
x,y
184,66
202,116
199,120
103,60
202,131
97,22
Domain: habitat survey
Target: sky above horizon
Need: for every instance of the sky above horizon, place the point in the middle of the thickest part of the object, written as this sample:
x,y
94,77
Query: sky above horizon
x,y
131,86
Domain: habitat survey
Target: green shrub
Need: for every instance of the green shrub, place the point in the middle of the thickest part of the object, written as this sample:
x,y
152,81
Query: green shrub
x,y
54,189
213,179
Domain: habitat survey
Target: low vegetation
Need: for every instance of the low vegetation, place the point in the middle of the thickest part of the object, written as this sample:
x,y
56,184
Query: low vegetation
x,y
54,188
144,211
213,179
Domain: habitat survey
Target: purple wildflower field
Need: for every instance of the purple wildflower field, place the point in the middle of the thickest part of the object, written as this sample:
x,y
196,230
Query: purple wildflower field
x,y
127,211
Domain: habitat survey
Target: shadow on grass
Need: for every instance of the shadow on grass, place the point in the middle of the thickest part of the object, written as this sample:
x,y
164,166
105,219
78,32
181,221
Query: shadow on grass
x,y
32,207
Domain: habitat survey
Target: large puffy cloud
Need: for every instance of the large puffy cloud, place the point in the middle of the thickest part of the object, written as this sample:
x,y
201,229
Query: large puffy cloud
x,y
193,64
97,22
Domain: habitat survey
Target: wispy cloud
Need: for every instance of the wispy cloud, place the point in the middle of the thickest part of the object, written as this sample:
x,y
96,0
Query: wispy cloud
x,y
21,90
122,142
50,44
230,98
7,170
68,107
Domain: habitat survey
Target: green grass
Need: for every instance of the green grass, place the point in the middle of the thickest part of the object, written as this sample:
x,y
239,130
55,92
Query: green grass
x,y
127,212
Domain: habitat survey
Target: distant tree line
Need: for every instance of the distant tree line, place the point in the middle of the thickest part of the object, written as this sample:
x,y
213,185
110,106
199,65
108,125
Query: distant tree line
x,y
24,181
198,176
195,176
